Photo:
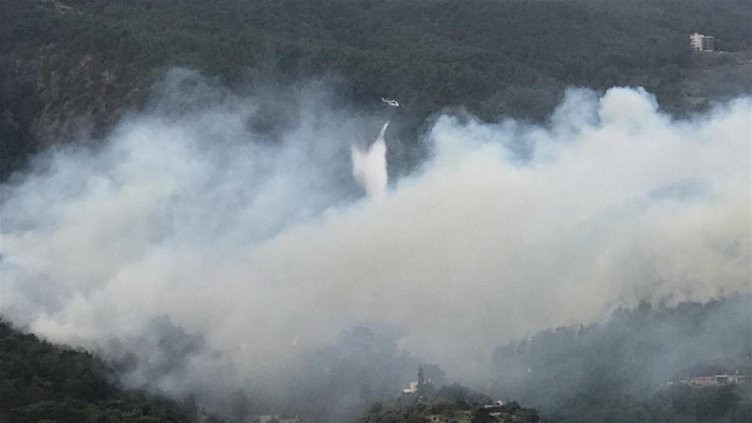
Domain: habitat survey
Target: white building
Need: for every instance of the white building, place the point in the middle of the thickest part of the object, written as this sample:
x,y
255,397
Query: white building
x,y
274,418
701,42
412,388
717,380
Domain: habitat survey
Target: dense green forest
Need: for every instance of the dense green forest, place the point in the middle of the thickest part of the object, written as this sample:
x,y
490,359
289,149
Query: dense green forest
x,y
42,382
74,66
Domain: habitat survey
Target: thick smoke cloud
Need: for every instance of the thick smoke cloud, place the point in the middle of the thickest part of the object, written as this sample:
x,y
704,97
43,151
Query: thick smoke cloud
x,y
253,245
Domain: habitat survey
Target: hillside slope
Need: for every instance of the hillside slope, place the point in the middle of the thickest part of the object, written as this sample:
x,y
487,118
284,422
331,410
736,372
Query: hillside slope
x,y
73,67
44,382
629,368
451,403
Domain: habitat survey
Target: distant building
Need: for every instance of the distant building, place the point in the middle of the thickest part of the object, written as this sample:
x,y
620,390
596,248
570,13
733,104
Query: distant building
x,y
274,418
412,388
496,406
422,382
700,42
717,380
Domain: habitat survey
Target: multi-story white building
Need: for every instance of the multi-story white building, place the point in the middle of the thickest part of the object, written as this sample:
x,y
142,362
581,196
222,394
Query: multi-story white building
x,y
701,42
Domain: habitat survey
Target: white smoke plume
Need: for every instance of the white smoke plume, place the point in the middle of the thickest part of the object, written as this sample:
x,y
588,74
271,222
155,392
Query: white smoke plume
x,y
259,249
370,167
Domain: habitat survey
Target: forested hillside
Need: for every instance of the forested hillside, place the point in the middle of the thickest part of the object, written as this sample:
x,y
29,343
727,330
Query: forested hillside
x,y
630,368
44,382
72,67
452,403
249,243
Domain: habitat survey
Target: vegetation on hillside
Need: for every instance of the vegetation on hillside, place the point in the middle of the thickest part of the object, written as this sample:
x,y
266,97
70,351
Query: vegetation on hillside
x,y
70,67
42,382
451,403
730,403
73,66
629,368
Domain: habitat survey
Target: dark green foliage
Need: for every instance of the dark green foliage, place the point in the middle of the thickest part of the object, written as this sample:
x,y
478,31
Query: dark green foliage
x,y
72,66
447,404
431,52
44,382
461,397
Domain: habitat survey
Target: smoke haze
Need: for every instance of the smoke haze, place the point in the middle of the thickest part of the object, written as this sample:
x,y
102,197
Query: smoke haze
x,y
188,220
